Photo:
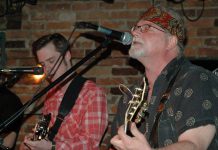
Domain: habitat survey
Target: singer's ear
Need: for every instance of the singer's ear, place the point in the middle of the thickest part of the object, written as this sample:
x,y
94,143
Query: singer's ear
x,y
172,42
68,55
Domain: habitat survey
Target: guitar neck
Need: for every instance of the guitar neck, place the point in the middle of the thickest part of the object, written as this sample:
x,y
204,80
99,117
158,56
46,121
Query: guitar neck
x,y
41,128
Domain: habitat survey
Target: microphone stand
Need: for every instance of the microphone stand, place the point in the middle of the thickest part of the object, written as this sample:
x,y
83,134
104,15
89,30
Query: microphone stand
x,y
103,45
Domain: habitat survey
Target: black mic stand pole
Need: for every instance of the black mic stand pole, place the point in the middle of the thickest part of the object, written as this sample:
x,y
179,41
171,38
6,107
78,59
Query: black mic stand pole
x,y
103,45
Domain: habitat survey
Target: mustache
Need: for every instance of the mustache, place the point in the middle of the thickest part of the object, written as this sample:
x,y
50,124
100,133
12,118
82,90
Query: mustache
x,y
137,40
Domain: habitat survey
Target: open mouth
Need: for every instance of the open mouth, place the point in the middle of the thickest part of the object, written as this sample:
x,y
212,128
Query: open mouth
x,y
135,41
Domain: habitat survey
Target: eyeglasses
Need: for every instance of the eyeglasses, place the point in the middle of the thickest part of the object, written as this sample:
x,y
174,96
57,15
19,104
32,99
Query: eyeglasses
x,y
143,28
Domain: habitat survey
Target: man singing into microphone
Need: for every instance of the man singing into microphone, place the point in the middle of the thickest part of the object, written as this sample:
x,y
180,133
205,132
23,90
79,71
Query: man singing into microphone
x,y
180,105
83,127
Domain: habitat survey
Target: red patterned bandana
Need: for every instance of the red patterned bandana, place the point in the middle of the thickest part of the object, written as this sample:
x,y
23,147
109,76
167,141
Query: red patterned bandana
x,y
165,21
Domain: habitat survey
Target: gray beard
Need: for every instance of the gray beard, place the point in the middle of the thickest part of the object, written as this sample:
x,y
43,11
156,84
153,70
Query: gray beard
x,y
133,53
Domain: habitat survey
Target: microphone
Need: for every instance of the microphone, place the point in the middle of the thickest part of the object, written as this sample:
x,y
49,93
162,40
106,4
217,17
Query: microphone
x,y
31,70
124,37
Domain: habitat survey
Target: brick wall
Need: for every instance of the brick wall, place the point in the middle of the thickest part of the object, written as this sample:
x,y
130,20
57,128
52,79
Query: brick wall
x,y
113,69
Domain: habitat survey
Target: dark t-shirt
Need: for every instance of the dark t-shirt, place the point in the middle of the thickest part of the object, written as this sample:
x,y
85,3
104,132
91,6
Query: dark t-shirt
x,y
192,102
9,104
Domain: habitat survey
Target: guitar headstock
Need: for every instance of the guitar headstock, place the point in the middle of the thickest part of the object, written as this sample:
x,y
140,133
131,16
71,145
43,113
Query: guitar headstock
x,y
137,106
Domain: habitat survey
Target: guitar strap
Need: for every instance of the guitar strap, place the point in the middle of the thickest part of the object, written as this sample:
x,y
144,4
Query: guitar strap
x,y
153,136
67,103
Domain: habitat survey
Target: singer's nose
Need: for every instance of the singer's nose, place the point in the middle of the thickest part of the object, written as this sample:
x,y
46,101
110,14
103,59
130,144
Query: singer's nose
x,y
135,32
45,69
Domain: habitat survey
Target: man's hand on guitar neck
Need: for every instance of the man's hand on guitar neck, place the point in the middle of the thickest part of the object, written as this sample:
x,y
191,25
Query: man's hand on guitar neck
x,y
124,142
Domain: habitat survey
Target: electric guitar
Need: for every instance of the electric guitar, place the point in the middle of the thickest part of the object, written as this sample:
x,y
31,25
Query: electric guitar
x,y
41,128
137,107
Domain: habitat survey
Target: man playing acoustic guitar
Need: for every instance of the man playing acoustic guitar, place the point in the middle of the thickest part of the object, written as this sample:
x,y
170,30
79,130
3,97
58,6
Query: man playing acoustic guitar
x,y
182,98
